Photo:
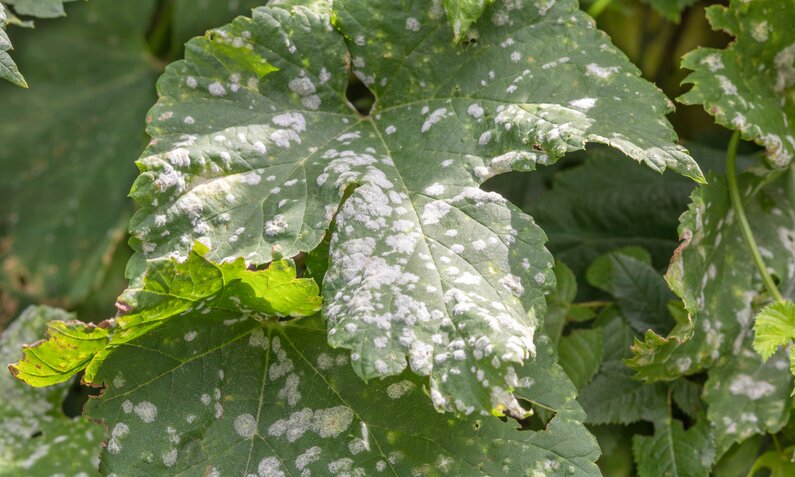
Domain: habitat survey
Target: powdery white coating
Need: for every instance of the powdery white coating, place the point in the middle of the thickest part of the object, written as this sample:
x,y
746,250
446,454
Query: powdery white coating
x,y
270,467
412,24
475,110
433,212
603,72
190,335
435,189
583,104
170,458
276,226
332,422
434,118
246,426
398,390
745,385
311,455
726,85
146,411
217,89
714,62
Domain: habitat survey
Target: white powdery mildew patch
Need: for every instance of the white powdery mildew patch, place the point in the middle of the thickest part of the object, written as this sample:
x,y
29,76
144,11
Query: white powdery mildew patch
x,y
270,467
398,390
146,411
311,455
326,423
436,116
246,426
745,385
602,72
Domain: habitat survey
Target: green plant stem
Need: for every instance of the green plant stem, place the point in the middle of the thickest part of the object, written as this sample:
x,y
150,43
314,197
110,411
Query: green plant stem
x,y
598,7
737,205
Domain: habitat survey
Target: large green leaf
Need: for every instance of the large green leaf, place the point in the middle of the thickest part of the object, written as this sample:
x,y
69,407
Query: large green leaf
x,y
68,144
750,86
673,451
714,273
35,437
249,398
249,160
170,287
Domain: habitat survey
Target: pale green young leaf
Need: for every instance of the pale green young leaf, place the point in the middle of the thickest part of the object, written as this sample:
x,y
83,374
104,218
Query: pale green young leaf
x,y
750,85
774,327
242,397
35,436
249,164
675,452
170,288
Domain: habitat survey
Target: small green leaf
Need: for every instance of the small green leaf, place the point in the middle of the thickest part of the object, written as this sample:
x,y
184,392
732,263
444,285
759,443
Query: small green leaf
x,y
170,288
36,439
750,86
600,273
671,9
674,452
39,8
774,327
779,464
580,355
8,69
462,14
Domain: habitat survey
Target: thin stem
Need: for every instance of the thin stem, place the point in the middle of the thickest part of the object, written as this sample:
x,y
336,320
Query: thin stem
x,y
734,193
598,7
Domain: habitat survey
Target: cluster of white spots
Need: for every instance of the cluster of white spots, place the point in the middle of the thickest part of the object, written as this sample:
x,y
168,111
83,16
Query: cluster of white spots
x,y
276,226
726,85
713,61
283,365
412,24
270,467
435,189
118,380
760,31
305,88
245,426
290,391
434,211
127,406
745,385
117,434
311,455
398,390
191,82
603,72
436,116
190,335
583,104
391,129
475,110
169,458
146,411
257,339
326,423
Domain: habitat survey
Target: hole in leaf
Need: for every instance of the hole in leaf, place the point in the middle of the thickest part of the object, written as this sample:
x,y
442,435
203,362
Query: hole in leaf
x,y
360,96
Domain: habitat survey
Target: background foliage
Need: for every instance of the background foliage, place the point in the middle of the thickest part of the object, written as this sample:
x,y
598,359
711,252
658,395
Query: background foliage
x,y
647,314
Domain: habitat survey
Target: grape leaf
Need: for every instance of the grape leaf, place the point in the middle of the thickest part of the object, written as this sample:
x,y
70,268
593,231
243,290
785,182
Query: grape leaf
x,y
747,396
247,160
674,451
170,288
750,86
714,273
274,399
774,326
8,69
79,126
35,437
